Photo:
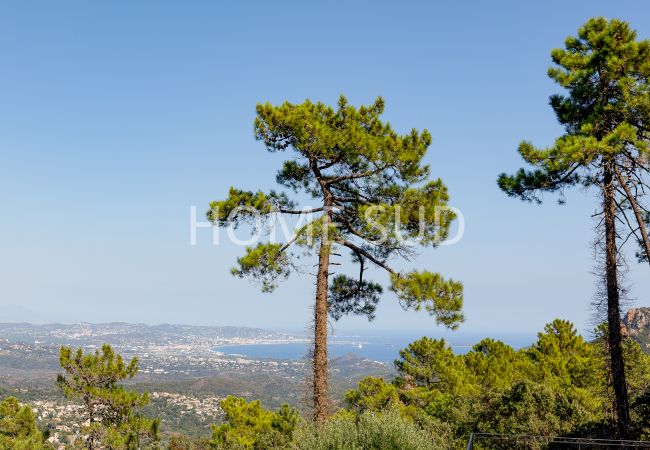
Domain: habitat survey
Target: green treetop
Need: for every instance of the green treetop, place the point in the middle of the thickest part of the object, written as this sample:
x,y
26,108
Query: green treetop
x,y
247,425
111,410
606,113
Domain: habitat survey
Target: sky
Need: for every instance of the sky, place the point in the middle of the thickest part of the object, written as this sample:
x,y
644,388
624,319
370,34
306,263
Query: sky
x,y
117,117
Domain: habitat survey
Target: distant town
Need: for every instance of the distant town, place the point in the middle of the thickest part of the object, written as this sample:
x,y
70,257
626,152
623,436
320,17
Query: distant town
x,y
180,366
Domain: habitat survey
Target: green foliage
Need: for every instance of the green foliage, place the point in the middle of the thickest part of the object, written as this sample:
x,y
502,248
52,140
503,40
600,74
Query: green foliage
x,y
563,358
249,426
244,206
370,184
265,263
374,395
182,442
132,432
370,431
110,409
285,420
431,364
494,365
637,364
558,386
637,368
641,415
607,75
420,216
350,296
532,408
354,137
18,429
441,298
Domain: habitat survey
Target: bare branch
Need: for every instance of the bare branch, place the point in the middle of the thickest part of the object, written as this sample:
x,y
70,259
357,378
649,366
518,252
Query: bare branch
x,y
630,234
288,244
637,212
360,251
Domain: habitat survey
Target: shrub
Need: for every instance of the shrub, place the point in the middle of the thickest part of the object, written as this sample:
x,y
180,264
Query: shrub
x,y
371,431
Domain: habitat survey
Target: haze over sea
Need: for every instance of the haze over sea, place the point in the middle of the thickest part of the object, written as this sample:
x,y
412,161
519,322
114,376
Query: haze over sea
x,y
382,347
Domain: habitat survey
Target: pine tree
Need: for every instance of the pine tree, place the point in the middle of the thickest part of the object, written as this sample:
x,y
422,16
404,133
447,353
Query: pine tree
x,y
18,428
111,410
373,394
606,116
247,425
373,199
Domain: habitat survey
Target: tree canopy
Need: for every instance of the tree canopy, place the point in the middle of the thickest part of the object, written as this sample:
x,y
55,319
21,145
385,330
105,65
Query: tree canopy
x,y
606,112
371,184
111,410
18,428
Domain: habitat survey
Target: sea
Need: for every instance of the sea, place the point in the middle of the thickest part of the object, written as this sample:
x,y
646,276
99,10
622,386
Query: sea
x,y
382,347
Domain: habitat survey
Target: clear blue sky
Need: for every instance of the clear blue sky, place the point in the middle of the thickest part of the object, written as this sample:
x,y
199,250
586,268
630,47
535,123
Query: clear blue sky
x,y
116,117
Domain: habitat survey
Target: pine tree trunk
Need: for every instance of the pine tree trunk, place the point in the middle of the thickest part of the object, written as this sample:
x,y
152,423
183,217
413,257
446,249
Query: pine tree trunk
x,y
321,403
613,307
90,444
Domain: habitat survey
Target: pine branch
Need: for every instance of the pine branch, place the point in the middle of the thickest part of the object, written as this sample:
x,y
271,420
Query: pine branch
x,y
361,251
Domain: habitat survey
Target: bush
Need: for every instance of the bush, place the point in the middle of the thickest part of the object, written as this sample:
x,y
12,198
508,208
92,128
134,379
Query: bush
x,y
371,431
533,408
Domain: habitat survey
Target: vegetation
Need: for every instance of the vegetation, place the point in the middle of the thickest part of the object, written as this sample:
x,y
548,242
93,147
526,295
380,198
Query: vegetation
x,y
18,428
182,442
111,410
249,426
374,199
368,431
557,387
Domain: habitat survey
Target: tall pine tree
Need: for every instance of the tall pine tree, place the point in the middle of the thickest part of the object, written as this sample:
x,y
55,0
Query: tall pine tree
x,y
606,115
373,198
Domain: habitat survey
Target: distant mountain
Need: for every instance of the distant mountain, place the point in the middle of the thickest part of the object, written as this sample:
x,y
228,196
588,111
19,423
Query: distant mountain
x,y
636,324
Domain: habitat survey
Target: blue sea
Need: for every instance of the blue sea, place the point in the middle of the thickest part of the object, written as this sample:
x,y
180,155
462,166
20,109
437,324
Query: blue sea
x,y
384,347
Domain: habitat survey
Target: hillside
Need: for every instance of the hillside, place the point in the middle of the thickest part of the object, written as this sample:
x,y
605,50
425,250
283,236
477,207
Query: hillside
x,y
637,325
179,365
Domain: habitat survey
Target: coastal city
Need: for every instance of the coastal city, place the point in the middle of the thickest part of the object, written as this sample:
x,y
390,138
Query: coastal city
x,y
182,367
